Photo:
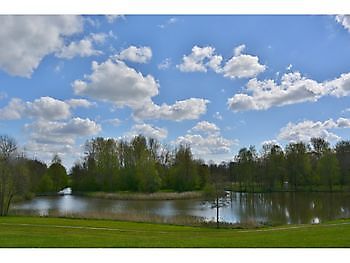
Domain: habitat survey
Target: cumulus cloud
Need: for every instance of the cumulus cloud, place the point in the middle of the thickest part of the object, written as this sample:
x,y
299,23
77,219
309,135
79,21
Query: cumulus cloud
x,y
136,54
206,127
344,20
200,59
238,66
293,88
82,48
50,137
189,109
305,130
118,83
13,111
148,131
339,87
74,103
26,40
242,65
115,82
208,141
45,108
57,132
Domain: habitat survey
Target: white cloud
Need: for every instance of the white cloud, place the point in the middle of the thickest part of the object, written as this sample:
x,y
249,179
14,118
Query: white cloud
x,y
294,88
44,108
242,65
238,66
206,145
136,54
273,142
217,116
82,48
208,142
124,86
205,127
148,131
165,64
305,130
189,109
13,111
112,18
74,103
54,132
26,40
339,87
50,137
200,59
117,83
344,20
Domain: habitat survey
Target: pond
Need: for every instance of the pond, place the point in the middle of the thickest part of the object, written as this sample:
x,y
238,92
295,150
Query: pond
x,y
274,208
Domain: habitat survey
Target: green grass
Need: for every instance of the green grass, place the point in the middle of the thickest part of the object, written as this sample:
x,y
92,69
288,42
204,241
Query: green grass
x,y
61,232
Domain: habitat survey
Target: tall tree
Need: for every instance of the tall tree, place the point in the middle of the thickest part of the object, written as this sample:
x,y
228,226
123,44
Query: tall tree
x,y
342,150
58,174
298,164
328,170
13,173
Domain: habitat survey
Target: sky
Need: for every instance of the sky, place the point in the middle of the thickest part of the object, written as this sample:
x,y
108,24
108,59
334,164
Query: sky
x,y
218,83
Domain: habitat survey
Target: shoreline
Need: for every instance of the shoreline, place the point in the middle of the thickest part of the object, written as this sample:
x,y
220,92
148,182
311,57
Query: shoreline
x,y
143,196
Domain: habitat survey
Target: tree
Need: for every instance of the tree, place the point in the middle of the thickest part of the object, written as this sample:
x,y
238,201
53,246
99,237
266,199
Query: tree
x,y
184,173
13,173
342,150
246,169
298,165
273,164
328,170
215,191
57,174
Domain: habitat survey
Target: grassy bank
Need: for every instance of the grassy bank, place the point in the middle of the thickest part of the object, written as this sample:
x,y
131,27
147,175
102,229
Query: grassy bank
x,y
59,232
143,196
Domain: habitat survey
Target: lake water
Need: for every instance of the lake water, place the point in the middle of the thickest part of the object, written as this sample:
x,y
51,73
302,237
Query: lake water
x,y
276,208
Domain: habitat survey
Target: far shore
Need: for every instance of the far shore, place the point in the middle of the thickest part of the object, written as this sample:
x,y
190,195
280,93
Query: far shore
x,y
144,196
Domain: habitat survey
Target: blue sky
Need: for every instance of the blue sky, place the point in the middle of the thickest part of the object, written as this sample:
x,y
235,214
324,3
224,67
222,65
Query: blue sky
x,y
218,83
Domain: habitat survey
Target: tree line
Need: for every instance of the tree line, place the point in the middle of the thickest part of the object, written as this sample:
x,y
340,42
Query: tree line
x,y
299,166
145,165
141,164
22,177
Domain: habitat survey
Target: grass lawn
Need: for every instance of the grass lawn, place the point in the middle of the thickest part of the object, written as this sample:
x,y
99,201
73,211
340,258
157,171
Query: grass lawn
x,y
61,232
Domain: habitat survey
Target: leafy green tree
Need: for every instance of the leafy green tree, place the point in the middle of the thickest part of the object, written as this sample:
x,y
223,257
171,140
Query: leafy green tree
x,y
273,163
58,174
298,165
184,173
328,170
37,173
13,174
342,150
246,169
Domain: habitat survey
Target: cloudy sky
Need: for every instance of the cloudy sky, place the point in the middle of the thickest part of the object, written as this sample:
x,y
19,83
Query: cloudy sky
x,y
218,83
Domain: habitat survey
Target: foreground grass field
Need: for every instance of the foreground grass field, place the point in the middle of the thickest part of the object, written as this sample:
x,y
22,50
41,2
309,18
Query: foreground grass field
x,y
61,232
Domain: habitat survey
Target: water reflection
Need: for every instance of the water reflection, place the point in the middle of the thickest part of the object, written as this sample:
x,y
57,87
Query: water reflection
x,y
274,208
